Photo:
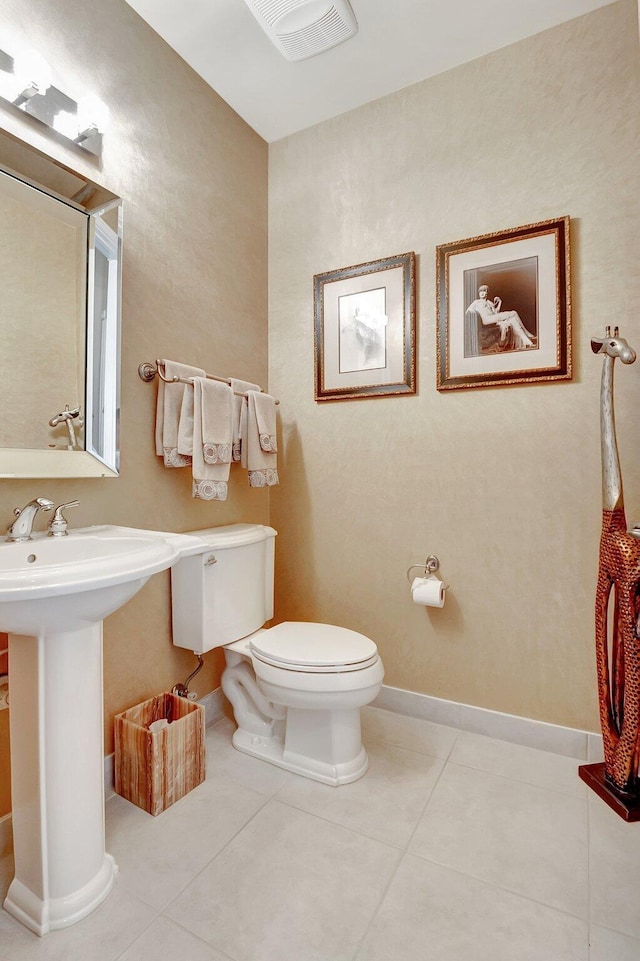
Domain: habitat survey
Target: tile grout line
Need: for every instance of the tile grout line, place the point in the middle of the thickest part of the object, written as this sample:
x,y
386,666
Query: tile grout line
x,y
483,881
211,860
403,851
140,933
207,944
518,780
500,887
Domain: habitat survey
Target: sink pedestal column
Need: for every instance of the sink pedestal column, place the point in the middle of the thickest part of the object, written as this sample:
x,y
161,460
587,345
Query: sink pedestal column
x,y
57,772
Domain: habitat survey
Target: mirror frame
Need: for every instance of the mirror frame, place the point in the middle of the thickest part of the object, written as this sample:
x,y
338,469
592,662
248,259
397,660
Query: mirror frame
x,y
59,462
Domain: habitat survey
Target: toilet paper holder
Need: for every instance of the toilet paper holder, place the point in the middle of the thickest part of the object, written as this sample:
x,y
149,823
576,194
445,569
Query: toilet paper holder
x,y
430,566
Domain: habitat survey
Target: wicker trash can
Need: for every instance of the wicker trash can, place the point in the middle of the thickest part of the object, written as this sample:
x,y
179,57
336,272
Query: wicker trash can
x,y
153,769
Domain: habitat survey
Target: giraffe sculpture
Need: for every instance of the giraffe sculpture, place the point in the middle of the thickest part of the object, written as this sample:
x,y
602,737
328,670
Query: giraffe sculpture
x,y
617,643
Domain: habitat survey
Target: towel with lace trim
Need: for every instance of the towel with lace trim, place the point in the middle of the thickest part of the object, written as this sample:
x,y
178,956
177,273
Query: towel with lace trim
x,y
168,408
212,433
239,387
261,443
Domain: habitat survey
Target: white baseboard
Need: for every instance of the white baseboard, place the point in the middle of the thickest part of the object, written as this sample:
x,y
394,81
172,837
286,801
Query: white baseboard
x,y
583,745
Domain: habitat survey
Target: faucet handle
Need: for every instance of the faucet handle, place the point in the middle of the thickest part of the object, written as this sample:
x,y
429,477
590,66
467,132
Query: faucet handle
x,y
59,523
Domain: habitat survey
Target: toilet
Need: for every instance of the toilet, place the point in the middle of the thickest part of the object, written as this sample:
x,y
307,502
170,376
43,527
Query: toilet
x,y
297,688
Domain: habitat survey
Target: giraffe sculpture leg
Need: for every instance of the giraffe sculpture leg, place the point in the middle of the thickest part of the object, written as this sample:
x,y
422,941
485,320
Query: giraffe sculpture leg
x,y
617,781
617,638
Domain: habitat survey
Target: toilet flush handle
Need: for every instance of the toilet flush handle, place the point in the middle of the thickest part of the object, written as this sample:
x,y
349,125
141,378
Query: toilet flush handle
x,y
211,559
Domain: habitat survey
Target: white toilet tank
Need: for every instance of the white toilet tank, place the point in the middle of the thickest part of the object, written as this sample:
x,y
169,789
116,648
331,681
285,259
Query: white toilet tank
x,y
225,592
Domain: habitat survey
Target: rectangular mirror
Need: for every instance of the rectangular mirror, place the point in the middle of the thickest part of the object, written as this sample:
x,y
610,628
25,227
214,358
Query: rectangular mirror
x,y
60,297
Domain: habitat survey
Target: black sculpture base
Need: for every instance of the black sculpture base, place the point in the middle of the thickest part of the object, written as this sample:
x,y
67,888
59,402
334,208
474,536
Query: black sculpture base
x,y
626,806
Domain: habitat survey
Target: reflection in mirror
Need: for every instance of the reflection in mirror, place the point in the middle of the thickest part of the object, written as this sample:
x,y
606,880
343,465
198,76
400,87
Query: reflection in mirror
x,y
60,268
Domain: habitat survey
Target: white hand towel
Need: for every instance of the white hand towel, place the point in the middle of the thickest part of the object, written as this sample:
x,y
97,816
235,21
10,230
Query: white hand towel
x,y
212,453
239,387
262,460
168,406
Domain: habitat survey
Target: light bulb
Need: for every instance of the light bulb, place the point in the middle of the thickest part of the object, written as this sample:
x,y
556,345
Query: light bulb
x,y
32,73
93,115
66,123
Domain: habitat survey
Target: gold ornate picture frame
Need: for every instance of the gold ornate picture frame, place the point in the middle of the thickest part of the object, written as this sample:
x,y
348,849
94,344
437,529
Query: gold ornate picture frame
x,y
365,329
504,307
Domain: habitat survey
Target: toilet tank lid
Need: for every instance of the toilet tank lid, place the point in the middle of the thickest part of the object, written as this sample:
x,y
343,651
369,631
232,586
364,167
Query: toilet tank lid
x,y
232,535
313,645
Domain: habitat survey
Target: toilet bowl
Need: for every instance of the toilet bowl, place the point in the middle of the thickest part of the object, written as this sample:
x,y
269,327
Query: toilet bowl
x,y
322,675
297,688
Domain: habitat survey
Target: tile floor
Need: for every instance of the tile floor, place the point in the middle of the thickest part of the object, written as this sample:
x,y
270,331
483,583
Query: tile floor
x,y
453,847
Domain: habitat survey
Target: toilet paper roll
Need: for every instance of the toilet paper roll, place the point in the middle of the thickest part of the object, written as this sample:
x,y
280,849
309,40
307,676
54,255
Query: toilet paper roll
x,y
158,725
428,591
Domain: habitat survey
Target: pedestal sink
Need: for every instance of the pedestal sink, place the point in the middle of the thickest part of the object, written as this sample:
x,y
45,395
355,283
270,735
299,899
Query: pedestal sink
x,y
54,594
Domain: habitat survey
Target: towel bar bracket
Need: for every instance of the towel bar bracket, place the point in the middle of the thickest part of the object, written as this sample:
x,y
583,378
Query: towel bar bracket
x,y
147,372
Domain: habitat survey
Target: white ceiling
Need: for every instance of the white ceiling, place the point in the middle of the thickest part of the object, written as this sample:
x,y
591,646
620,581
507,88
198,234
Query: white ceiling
x,y
399,42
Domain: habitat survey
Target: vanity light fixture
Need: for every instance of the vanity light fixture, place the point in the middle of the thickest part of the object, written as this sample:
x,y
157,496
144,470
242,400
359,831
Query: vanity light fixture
x,y
25,81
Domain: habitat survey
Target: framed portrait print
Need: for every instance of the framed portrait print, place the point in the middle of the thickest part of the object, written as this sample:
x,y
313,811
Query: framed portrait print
x,y
365,329
504,307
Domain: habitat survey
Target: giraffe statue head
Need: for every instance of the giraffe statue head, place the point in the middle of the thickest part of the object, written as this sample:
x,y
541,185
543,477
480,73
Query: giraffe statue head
x,y
613,345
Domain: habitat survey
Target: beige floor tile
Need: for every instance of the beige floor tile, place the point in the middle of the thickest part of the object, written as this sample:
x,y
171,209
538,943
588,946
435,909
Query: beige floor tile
x,y
552,771
614,869
224,761
410,733
433,914
384,804
517,836
163,939
158,856
290,886
102,936
610,946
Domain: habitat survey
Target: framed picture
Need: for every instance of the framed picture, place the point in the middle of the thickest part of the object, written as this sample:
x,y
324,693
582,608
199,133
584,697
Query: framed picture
x,y
504,307
365,329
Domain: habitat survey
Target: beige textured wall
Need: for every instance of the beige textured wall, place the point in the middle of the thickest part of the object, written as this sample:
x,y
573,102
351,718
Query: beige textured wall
x,y
42,257
502,484
193,177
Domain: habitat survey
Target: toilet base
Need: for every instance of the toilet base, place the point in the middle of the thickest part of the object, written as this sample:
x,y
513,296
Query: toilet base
x,y
334,737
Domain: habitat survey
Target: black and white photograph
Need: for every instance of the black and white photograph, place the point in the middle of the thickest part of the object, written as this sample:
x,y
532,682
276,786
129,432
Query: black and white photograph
x,y
504,307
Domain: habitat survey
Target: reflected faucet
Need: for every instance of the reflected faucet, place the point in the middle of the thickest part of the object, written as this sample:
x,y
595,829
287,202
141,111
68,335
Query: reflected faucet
x,y
21,528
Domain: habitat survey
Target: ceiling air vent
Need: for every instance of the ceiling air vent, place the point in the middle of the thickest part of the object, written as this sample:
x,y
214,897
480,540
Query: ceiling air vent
x,y
303,28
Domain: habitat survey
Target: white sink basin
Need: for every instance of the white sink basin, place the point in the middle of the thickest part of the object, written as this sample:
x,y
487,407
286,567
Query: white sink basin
x,y
54,594
53,584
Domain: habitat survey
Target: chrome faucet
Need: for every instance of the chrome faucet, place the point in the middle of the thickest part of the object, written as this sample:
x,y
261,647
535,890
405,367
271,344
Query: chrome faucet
x,y
21,528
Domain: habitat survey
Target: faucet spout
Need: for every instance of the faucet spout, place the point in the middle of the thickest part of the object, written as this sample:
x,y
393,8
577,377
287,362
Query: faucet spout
x,y
21,528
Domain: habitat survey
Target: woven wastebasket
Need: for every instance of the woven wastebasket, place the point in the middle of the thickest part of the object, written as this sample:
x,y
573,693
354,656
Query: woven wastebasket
x,y
154,769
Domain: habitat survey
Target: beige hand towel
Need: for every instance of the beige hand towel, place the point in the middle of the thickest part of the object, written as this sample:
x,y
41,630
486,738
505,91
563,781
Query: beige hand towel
x,y
239,387
217,408
212,439
185,423
168,407
262,460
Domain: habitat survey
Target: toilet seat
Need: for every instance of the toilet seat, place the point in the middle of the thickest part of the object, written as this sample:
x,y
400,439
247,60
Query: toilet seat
x,y
313,648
